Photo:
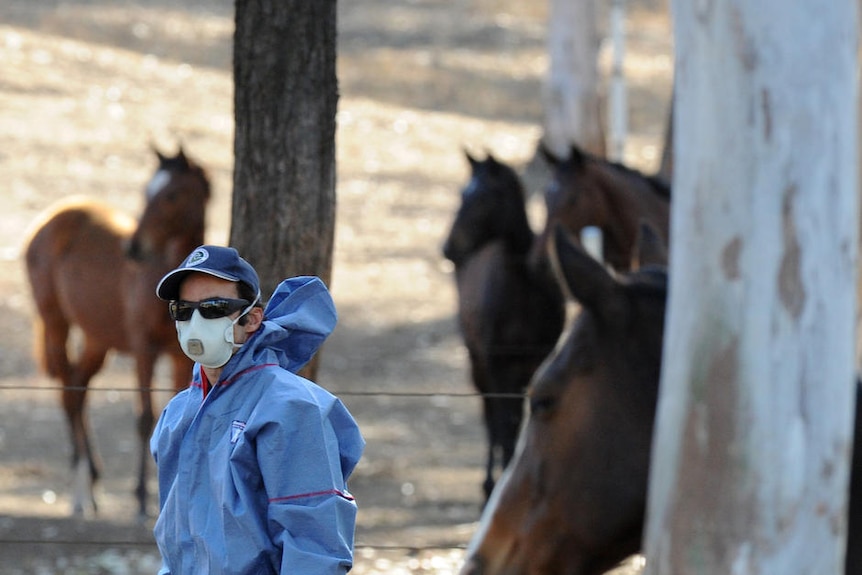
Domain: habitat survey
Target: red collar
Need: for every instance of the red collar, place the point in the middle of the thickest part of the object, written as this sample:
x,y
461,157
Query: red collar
x,y
205,383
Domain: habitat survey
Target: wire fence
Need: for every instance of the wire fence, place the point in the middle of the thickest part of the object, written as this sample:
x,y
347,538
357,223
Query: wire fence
x,y
11,540
138,543
339,393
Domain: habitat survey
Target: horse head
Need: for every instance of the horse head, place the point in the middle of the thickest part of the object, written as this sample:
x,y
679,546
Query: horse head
x,y
492,208
172,223
572,199
586,190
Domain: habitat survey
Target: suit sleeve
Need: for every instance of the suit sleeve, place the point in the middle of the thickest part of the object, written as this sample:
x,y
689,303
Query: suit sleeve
x,y
305,461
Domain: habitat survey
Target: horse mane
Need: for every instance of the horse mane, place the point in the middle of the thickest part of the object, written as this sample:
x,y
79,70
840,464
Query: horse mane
x,y
657,184
204,177
578,155
649,280
201,173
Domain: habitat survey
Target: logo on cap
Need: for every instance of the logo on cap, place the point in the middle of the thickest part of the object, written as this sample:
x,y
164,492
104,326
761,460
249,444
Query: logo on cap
x,y
198,257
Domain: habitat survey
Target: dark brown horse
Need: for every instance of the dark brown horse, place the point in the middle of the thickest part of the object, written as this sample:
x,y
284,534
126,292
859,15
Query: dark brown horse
x,y
573,500
590,191
510,317
95,268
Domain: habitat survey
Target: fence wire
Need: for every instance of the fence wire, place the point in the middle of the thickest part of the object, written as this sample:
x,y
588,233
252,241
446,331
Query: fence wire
x,y
359,546
345,393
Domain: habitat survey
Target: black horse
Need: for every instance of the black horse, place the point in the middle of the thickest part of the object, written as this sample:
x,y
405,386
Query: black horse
x,y
510,316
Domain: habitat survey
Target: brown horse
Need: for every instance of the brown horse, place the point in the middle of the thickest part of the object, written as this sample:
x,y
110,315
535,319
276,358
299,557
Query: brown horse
x,y
573,500
509,314
591,191
93,267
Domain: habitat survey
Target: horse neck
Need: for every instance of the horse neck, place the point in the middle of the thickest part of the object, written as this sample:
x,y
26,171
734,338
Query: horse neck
x,y
517,233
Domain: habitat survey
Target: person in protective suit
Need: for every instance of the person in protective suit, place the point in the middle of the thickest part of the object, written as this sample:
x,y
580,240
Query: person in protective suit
x,y
252,459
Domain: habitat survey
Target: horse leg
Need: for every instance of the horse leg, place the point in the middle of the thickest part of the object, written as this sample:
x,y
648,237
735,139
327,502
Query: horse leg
x,y
510,422
491,416
495,416
514,377
55,332
145,364
52,347
85,459
504,416
480,381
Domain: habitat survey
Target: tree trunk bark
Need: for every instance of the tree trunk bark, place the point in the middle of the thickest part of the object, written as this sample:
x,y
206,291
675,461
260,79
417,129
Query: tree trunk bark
x,y
286,96
285,101
751,453
665,169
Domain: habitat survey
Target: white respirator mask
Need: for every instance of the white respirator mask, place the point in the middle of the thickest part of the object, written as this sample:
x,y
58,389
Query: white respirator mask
x,y
209,342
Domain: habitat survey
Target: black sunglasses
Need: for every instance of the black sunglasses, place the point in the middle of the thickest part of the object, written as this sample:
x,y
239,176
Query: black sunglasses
x,y
212,308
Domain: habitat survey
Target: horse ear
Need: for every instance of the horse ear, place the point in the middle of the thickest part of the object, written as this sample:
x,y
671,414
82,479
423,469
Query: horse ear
x,y
584,279
492,161
470,158
576,155
548,155
158,154
181,155
649,247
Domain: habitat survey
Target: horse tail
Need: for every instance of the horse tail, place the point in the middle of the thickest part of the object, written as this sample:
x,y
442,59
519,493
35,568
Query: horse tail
x,y
46,245
51,357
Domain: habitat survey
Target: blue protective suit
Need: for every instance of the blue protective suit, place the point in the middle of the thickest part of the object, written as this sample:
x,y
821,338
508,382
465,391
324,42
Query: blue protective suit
x,y
253,477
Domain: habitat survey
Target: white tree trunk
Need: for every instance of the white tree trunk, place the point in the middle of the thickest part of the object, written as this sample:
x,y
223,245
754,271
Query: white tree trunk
x,y
750,466
572,104
859,184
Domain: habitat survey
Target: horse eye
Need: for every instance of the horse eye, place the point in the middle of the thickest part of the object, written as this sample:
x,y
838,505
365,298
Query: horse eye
x,y
469,188
541,406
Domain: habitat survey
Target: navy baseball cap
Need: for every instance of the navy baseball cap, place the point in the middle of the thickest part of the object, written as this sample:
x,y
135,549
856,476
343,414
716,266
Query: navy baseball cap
x,y
218,261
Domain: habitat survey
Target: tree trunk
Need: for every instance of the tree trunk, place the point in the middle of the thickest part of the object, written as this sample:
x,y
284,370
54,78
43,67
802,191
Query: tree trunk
x,y
285,100
751,458
571,92
286,95
859,182
665,169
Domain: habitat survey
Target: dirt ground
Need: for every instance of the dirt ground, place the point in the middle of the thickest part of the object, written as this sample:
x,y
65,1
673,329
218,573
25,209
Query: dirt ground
x,y
88,85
